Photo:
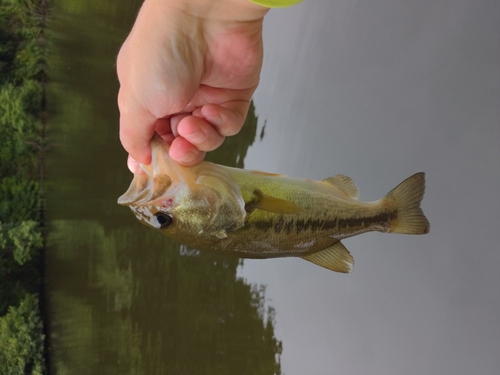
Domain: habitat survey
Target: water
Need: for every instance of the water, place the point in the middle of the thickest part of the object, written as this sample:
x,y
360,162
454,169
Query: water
x,y
123,300
374,92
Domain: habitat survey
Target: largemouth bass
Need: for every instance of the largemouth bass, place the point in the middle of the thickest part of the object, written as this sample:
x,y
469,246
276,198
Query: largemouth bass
x,y
254,214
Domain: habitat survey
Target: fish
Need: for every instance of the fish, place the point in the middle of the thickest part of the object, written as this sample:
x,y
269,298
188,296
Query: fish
x,y
254,214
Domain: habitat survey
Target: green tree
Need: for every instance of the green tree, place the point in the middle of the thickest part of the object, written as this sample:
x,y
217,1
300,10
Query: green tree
x,y
19,24
25,240
21,340
22,65
18,246
19,124
18,199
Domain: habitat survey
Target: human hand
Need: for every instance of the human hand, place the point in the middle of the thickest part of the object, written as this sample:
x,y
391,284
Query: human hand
x,y
187,71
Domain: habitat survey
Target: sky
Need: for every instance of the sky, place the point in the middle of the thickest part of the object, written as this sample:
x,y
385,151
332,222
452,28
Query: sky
x,y
379,91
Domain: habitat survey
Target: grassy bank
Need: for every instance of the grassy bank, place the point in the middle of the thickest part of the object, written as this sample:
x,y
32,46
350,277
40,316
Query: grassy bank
x,y
22,126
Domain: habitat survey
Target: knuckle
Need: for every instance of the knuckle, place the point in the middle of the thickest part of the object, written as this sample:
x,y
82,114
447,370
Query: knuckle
x,y
231,127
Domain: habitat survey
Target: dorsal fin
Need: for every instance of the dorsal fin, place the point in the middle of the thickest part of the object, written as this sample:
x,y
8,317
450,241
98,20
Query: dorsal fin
x,y
336,258
272,204
344,183
267,174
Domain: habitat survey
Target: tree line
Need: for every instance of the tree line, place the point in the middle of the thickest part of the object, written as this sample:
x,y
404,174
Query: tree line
x,y
22,124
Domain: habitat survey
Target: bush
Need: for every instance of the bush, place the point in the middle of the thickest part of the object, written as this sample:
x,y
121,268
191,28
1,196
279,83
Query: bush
x,y
18,268
21,339
20,241
25,239
19,125
18,23
19,200
29,61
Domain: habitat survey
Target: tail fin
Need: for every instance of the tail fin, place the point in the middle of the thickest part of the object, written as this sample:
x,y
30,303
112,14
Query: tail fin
x,y
406,197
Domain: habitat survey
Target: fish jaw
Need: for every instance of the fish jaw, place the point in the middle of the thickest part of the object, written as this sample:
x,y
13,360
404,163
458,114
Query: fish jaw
x,y
157,178
204,202
161,187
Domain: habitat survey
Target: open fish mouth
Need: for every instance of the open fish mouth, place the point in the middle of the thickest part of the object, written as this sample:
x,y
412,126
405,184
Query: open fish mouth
x,y
156,179
145,188
137,191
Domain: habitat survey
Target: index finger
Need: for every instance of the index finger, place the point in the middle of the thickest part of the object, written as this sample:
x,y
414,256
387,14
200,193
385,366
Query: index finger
x,y
137,126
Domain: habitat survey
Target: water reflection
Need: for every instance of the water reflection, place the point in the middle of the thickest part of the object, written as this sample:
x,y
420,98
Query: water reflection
x,y
155,311
121,299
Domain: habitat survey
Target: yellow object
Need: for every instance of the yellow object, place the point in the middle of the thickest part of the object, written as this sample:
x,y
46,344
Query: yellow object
x,y
254,214
275,3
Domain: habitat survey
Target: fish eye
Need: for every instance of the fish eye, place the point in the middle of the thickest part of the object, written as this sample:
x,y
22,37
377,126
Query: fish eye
x,y
165,220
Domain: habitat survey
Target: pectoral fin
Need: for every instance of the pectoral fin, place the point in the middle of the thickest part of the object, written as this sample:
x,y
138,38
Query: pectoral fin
x,y
336,258
272,204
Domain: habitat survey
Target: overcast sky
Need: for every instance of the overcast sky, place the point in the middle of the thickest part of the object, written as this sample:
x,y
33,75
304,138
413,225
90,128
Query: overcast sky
x,y
379,91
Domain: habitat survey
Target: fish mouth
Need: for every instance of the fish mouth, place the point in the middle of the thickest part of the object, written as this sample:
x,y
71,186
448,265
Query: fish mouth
x,y
145,188
157,177
137,191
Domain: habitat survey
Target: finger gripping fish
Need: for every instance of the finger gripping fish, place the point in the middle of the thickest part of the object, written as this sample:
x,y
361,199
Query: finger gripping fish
x,y
254,214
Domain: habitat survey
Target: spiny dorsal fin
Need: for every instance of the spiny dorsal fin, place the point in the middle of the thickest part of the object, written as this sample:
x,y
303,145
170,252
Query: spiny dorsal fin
x,y
336,258
272,204
344,183
267,174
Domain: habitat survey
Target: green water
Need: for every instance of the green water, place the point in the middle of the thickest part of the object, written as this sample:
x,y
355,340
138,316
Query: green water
x,y
122,299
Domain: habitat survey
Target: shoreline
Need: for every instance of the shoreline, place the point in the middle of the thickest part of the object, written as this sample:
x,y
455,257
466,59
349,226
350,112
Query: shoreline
x,y
24,323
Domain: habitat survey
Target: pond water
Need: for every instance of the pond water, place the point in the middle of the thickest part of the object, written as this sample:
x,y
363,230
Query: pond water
x,y
374,91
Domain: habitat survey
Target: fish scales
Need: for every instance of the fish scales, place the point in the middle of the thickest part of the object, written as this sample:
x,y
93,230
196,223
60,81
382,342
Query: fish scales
x,y
339,217
255,214
334,212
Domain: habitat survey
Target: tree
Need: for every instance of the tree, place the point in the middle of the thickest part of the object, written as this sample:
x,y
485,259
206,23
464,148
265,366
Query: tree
x,y
21,340
25,239
17,275
19,107
18,199
20,241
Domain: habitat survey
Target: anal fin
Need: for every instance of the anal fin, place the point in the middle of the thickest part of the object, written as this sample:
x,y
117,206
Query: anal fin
x,y
336,258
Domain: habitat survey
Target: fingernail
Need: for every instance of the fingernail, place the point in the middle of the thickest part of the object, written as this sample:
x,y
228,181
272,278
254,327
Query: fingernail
x,y
134,166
